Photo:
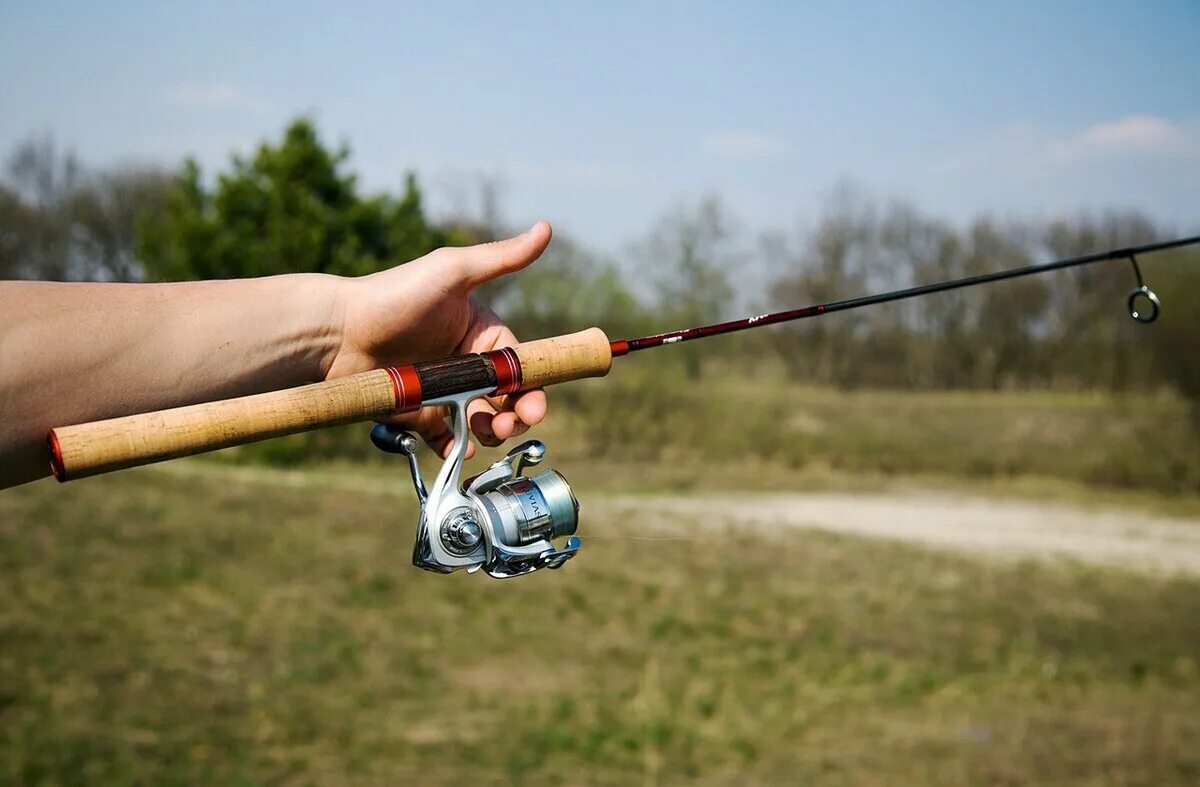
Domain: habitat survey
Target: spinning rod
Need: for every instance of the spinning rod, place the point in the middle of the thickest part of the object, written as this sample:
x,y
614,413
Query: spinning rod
x,y
1141,291
500,521
101,446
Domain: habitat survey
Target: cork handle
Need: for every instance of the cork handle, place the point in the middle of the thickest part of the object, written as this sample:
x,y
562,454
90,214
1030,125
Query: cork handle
x,y
89,449
99,447
562,358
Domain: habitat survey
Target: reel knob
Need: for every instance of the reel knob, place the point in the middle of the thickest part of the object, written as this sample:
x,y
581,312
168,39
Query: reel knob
x,y
530,453
393,440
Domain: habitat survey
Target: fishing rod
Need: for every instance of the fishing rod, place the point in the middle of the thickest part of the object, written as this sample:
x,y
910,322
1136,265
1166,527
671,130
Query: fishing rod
x,y
501,520
1141,291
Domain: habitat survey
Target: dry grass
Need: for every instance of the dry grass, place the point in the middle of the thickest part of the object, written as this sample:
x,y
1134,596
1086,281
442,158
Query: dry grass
x,y
170,629
1098,440
648,430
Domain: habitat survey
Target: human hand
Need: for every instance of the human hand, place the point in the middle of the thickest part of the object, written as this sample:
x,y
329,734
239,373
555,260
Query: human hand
x,y
423,310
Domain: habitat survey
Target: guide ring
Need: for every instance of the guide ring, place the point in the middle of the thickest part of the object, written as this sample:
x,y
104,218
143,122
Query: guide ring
x,y
1141,291
1143,316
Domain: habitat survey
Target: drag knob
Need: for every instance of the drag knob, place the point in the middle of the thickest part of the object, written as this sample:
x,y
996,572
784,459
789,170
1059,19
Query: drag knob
x,y
461,534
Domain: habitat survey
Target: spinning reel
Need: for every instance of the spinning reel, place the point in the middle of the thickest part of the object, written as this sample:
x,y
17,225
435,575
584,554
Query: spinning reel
x,y
500,520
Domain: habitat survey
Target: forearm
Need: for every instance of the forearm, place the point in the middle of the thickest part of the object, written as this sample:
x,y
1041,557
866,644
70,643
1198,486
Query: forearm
x,y
71,353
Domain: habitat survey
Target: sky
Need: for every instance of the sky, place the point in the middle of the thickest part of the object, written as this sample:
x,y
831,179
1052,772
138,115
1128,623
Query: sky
x,y
601,117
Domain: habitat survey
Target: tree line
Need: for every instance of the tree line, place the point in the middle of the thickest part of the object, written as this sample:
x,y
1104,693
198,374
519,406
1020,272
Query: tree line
x,y
293,206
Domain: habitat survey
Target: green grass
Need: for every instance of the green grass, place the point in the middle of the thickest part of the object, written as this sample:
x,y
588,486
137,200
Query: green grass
x,y
167,628
1099,440
648,430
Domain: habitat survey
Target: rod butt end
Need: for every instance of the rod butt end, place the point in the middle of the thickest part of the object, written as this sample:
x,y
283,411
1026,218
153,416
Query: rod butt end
x,y
56,461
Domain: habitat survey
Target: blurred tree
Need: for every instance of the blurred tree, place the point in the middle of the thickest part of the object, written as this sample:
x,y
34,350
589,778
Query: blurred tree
x,y
570,289
39,183
828,265
688,257
109,211
60,221
1045,330
933,343
1011,317
1174,338
289,209
1093,345
16,224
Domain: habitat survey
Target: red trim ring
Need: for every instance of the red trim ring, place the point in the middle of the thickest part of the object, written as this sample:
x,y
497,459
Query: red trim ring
x,y
56,460
508,370
407,387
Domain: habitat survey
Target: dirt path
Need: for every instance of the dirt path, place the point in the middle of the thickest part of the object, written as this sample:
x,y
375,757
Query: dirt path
x,y
973,525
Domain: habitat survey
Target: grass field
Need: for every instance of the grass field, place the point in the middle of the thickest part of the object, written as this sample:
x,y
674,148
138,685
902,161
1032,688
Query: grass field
x,y
643,429
1135,441
163,628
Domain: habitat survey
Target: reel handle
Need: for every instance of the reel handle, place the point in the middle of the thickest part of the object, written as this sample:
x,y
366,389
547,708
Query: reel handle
x,y
102,446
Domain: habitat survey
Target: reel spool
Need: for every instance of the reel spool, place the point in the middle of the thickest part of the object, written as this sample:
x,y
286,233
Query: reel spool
x,y
500,521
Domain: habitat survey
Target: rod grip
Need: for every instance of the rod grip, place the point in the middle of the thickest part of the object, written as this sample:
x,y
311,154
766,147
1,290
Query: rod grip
x,y
102,446
559,359
117,443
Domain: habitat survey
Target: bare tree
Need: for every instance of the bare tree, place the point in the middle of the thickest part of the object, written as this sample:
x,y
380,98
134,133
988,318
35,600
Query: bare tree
x,y
688,258
1091,347
60,221
833,262
35,214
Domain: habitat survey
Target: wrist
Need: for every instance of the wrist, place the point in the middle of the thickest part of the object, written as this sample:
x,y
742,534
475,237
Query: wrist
x,y
314,308
333,295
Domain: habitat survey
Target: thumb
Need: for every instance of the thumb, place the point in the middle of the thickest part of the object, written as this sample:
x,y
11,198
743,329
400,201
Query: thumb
x,y
487,261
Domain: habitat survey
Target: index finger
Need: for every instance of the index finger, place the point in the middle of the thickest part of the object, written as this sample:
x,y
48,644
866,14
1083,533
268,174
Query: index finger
x,y
518,412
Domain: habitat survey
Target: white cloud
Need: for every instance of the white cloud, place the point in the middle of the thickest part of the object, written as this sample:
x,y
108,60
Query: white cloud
x,y
1024,151
743,144
218,95
1132,135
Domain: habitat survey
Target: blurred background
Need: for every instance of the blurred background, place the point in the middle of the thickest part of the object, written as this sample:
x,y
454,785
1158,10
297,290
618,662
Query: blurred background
x,y
1030,456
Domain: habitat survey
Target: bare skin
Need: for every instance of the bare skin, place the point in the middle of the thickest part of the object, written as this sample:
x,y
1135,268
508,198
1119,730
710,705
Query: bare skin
x,y
76,352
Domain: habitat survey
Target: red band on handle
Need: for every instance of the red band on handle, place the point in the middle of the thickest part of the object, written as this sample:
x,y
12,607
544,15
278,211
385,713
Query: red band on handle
x,y
508,370
56,461
407,386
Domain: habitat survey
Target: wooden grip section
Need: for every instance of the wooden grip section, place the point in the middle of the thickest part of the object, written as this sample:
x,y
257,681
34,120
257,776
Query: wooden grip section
x,y
563,358
89,449
99,447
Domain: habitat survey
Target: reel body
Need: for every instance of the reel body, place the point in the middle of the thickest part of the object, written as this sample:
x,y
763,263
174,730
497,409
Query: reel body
x,y
500,521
